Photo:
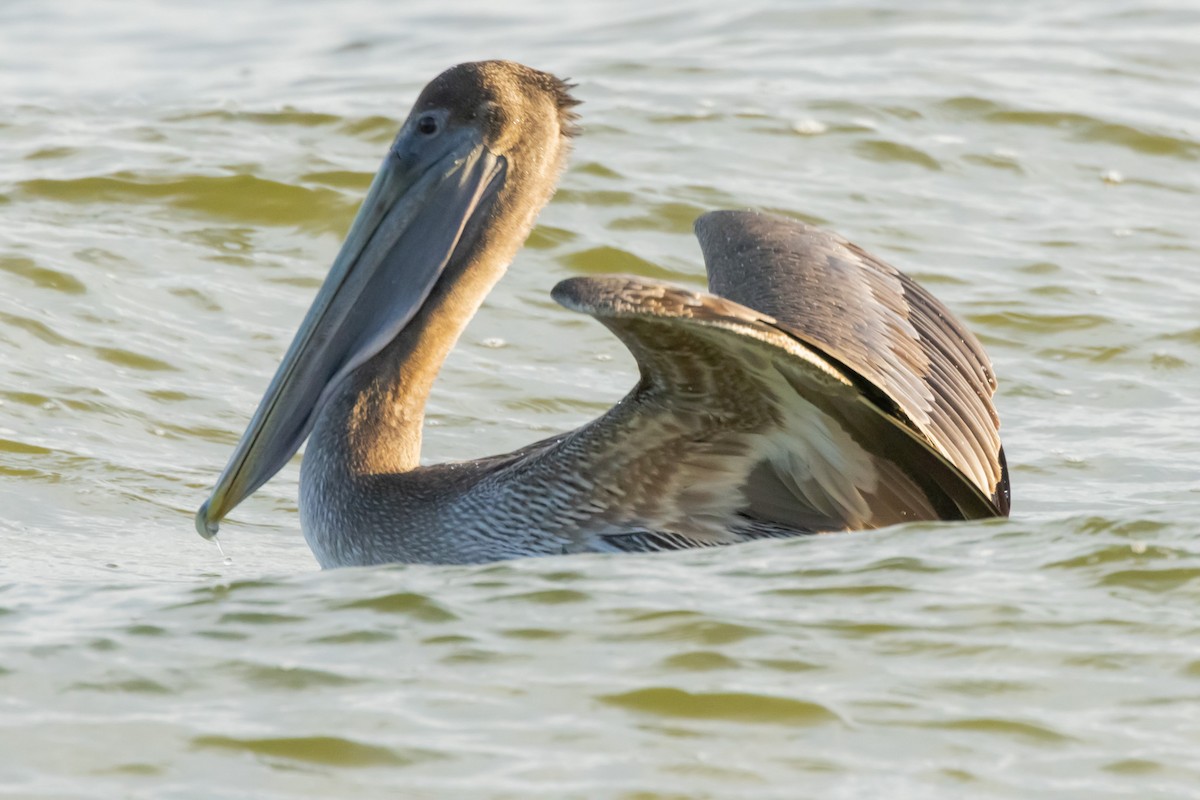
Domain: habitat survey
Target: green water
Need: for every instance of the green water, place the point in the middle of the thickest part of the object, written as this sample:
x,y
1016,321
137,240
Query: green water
x,y
175,180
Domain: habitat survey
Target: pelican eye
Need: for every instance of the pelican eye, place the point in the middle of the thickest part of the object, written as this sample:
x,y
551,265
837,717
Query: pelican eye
x,y
427,125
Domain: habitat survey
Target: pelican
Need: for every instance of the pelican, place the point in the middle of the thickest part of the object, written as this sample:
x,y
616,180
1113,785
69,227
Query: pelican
x,y
814,388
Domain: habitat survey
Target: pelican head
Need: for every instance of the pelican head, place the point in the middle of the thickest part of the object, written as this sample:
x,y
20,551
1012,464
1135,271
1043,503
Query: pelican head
x,y
457,193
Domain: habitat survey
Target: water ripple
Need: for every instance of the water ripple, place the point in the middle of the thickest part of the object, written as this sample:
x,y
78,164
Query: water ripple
x,y
246,199
326,750
176,189
722,706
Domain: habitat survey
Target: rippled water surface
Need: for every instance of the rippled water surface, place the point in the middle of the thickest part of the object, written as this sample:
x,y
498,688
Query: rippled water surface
x,y
173,184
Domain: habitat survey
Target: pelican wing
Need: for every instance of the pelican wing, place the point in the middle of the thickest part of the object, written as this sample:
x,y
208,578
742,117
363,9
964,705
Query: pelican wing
x,y
895,339
738,429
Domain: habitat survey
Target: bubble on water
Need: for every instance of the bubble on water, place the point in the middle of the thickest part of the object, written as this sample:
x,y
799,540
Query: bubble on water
x,y
494,342
1113,177
1137,547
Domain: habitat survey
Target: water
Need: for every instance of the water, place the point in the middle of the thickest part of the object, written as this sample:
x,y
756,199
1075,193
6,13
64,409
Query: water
x,y
174,182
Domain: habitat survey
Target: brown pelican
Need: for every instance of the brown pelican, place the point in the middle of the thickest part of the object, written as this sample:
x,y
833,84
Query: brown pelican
x,y
816,388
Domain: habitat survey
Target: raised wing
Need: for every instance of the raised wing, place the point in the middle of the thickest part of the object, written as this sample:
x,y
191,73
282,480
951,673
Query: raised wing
x,y
739,429
895,340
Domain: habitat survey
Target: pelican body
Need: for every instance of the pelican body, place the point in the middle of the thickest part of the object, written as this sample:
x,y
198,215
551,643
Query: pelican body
x,y
814,388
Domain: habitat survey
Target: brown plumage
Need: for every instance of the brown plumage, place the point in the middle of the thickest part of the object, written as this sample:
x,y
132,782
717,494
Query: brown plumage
x,y
815,389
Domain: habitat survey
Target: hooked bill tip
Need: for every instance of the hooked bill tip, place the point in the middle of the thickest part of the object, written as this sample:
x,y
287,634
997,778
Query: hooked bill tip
x,y
204,526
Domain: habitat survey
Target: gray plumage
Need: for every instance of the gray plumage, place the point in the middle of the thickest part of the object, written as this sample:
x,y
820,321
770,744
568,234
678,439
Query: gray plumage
x,y
816,388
